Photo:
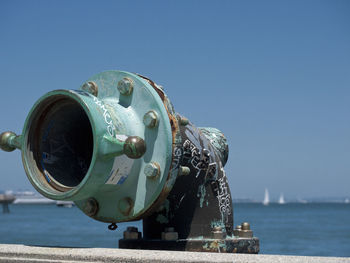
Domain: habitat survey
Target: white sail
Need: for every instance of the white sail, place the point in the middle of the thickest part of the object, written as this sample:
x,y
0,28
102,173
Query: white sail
x,y
347,201
281,201
266,198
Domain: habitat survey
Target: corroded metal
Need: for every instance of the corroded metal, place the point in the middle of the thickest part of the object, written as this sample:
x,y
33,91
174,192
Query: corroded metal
x,y
90,87
134,147
199,201
9,141
227,245
117,148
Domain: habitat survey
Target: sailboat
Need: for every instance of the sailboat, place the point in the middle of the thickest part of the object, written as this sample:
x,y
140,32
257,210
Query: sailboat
x,y
347,201
266,198
281,201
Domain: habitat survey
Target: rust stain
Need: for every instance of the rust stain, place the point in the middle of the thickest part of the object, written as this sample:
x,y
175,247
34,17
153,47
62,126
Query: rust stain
x,y
175,129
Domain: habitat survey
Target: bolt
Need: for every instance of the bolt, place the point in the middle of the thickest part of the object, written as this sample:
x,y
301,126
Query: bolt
x,y
125,205
134,147
245,231
150,119
169,234
132,233
132,229
245,226
183,121
184,170
90,207
152,170
125,86
217,228
237,230
90,87
5,139
217,233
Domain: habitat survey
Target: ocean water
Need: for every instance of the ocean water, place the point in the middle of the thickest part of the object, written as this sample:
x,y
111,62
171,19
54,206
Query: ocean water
x,y
291,229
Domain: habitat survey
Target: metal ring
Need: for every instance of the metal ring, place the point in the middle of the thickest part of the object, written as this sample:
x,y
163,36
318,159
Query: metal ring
x,y
112,226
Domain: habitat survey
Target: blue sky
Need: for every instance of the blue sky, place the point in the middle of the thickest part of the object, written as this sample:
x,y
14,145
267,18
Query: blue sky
x,y
274,76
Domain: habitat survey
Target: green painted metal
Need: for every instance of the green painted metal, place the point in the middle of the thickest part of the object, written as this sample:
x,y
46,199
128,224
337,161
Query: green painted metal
x,y
117,149
218,140
116,104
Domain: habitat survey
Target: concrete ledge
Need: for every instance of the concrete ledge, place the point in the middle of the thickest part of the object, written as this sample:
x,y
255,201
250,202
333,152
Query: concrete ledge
x,y
21,253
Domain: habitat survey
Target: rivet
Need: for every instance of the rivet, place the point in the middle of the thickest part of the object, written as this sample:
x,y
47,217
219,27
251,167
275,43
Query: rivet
x,y
150,119
125,205
152,170
125,86
90,207
90,87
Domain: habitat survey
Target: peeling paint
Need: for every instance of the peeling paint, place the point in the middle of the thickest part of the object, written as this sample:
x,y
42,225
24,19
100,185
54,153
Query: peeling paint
x,y
201,194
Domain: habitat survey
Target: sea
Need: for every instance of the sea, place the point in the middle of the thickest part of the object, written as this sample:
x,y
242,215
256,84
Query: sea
x,y
312,229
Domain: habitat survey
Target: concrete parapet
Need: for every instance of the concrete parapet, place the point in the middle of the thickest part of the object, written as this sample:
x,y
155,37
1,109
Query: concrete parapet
x,y
21,253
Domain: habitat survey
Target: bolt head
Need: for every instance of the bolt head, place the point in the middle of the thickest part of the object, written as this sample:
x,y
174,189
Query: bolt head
x,y
90,207
125,86
134,147
184,170
131,235
152,170
245,226
4,139
132,229
90,87
183,121
125,205
150,119
169,236
217,228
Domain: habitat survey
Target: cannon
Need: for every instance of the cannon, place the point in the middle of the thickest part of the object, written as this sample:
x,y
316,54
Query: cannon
x,y
117,148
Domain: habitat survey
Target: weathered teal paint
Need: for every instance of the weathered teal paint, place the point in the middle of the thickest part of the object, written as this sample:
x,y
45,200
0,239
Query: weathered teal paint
x,y
122,145
218,140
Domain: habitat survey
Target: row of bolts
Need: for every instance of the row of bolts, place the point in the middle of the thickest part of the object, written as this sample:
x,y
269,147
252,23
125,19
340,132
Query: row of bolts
x,y
152,170
242,231
150,119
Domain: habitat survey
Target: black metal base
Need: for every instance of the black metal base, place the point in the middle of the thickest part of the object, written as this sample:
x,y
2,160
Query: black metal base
x,y
233,245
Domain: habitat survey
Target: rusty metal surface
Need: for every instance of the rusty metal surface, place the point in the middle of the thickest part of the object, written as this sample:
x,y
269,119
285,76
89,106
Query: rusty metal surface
x,y
199,201
175,128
